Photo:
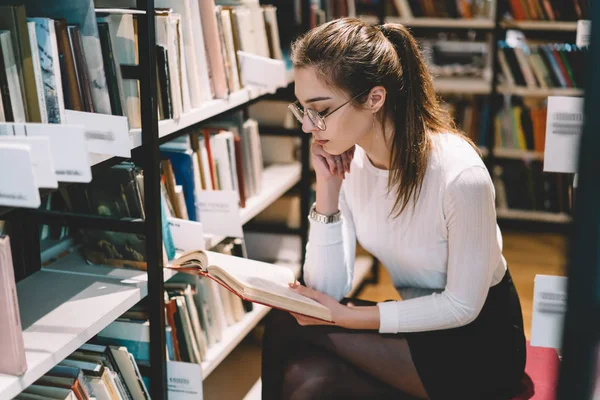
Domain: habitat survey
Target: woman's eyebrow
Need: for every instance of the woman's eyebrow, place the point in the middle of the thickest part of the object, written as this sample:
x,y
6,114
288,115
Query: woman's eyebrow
x,y
315,99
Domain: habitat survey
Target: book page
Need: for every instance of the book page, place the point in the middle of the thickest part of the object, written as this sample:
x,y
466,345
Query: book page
x,y
263,277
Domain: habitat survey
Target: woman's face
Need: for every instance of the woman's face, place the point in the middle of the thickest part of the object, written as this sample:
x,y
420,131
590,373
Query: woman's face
x,y
345,127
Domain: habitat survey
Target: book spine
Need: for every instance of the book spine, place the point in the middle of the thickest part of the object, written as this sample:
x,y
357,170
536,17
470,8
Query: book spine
x,y
37,72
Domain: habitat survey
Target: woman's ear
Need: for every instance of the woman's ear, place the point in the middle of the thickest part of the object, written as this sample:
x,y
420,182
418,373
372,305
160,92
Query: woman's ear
x,y
376,98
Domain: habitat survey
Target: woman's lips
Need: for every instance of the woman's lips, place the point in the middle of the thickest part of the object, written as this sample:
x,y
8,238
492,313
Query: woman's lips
x,y
321,142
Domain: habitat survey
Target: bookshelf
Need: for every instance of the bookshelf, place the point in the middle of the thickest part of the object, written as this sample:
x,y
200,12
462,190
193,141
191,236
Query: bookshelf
x,y
443,23
495,22
517,154
59,313
538,92
563,26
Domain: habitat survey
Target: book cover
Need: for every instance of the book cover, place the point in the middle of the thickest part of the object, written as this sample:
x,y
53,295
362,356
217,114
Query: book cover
x,y
80,13
50,66
13,19
13,360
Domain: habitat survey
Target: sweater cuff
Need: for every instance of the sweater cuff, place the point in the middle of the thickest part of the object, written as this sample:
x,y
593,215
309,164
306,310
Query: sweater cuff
x,y
388,317
321,234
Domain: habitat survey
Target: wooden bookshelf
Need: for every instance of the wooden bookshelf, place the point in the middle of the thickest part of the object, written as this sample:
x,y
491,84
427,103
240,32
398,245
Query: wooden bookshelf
x,y
530,215
449,23
517,154
462,86
60,312
539,92
567,26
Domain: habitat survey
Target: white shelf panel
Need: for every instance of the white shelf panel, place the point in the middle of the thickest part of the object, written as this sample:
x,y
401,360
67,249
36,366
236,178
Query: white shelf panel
x,y
462,86
231,338
517,154
484,151
59,313
534,215
539,92
276,180
540,25
476,23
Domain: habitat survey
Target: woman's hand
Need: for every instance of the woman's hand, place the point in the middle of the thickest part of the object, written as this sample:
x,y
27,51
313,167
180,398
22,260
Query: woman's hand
x,y
349,317
328,165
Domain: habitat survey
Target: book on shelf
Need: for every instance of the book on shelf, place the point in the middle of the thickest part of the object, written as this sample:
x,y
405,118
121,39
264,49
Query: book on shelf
x,y
456,9
548,10
253,281
521,126
13,360
542,65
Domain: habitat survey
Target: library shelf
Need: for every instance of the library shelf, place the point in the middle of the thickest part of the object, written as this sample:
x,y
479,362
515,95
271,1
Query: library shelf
x,y
462,85
60,312
539,92
517,154
452,23
540,25
530,215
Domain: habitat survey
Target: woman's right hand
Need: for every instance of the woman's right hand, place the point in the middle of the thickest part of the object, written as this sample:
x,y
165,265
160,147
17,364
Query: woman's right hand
x,y
328,166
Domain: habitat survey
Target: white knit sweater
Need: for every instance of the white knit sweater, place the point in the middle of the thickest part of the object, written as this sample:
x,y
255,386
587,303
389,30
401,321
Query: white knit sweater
x,y
443,254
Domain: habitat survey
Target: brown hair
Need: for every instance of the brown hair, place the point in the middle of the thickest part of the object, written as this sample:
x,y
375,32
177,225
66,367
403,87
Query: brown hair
x,y
352,56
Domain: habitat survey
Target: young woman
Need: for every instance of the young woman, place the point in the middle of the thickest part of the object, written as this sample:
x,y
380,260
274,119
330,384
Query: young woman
x,y
394,174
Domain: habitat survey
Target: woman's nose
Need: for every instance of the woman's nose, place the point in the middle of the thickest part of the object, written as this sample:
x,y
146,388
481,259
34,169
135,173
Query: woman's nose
x,y
307,125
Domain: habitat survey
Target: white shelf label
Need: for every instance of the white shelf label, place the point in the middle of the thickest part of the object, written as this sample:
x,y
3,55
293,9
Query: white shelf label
x,y
187,235
584,29
549,307
266,73
18,187
220,212
105,134
41,159
184,381
564,123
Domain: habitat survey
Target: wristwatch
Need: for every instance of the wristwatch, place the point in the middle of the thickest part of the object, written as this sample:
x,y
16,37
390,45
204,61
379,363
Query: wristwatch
x,y
324,219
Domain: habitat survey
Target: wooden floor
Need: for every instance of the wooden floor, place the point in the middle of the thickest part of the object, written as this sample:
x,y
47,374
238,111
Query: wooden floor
x,y
527,254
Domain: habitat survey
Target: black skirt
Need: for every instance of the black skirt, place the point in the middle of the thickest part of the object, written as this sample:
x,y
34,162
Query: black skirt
x,y
482,360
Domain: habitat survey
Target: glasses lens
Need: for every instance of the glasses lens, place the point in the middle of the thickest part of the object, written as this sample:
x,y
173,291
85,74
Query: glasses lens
x,y
316,119
297,112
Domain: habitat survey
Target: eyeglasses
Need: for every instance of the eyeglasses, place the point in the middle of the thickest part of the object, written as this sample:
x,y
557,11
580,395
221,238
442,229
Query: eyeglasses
x,y
314,116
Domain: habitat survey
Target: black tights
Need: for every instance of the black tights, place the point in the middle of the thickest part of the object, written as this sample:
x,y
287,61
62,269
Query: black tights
x,y
328,362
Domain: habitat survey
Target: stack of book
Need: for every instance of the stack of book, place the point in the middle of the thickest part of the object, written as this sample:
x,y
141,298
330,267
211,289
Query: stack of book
x,y
521,127
523,185
549,10
549,65
458,57
91,372
70,57
197,309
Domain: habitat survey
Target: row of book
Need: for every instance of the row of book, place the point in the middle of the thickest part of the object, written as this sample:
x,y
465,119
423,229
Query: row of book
x,y
549,65
549,10
225,154
523,185
471,116
70,57
440,9
456,57
197,313
521,127
93,371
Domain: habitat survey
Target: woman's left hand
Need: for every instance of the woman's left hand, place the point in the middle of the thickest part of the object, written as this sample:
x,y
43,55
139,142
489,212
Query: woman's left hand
x,y
341,314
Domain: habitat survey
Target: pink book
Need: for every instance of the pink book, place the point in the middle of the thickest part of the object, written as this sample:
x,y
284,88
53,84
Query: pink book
x,y
11,335
213,44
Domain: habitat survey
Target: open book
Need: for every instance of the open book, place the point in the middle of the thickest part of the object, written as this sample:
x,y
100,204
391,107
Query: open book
x,y
251,280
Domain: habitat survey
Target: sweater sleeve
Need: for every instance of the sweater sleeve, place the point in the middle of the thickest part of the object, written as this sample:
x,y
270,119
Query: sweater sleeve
x,y
473,254
330,251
